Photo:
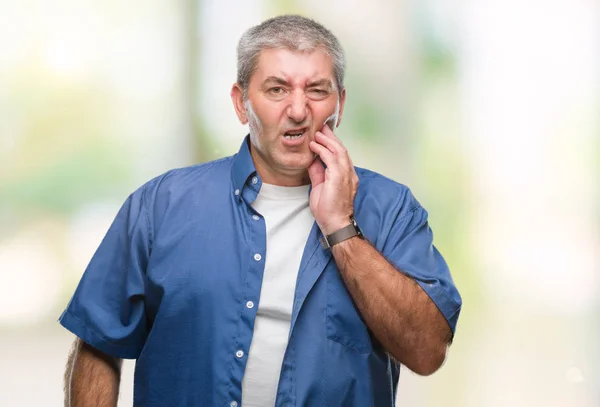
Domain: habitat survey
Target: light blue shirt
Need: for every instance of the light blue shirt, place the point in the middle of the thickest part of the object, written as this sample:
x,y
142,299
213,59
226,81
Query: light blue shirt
x,y
176,282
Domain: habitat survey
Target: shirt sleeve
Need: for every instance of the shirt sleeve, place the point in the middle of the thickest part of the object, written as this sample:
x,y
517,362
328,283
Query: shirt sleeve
x,y
107,309
410,248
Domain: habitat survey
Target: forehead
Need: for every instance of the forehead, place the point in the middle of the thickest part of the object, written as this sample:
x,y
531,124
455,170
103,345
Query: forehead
x,y
293,66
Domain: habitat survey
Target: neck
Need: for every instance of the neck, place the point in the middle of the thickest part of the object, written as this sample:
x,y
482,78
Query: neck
x,y
283,178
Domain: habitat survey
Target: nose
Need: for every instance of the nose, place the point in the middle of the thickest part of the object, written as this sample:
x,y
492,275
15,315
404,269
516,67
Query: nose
x,y
298,108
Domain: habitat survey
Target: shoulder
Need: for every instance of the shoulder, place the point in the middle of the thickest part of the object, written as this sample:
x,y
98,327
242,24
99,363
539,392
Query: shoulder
x,y
385,209
389,194
181,191
181,180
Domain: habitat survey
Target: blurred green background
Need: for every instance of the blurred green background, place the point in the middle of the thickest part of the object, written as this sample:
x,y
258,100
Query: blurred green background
x,y
488,110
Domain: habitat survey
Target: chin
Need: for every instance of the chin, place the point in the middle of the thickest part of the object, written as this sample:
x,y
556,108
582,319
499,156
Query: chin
x,y
300,164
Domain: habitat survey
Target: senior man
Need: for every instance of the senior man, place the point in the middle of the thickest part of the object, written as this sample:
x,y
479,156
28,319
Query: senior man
x,y
280,276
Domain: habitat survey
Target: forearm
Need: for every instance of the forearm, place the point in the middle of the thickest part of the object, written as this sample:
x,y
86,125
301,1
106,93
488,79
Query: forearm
x,y
91,378
396,309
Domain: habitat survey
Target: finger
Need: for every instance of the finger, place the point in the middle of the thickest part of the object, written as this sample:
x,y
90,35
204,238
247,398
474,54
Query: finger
x,y
326,130
330,135
316,172
339,150
327,142
327,156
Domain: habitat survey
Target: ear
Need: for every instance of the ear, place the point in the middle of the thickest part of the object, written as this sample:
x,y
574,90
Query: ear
x,y
342,101
238,103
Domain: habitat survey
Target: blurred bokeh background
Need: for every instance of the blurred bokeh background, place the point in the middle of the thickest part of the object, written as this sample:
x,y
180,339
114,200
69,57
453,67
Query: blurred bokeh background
x,y
488,109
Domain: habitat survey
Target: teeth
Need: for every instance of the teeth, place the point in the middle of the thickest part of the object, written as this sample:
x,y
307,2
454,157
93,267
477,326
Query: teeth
x,y
292,137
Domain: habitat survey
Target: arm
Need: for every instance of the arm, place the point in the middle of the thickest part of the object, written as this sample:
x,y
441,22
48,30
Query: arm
x,y
91,377
107,310
396,309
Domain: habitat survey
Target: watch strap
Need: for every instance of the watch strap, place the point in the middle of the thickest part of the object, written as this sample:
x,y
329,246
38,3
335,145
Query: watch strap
x,y
340,235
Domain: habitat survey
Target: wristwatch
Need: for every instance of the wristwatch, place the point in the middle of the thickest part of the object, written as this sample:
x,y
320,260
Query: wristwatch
x,y
341,234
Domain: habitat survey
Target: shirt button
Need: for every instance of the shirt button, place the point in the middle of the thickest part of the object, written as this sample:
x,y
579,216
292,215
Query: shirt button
x,y
239,354
233,404
249,304
237,192
254,180
255,217
257,257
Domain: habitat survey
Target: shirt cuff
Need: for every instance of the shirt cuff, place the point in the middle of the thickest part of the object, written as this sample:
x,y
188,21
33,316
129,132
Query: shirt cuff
x,y
448,307
94,339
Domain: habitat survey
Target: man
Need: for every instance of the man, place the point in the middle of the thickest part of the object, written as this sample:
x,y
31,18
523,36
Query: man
x,y
280,276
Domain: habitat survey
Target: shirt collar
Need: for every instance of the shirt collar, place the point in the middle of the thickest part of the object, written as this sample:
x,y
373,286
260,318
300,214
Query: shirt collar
x,y
243,167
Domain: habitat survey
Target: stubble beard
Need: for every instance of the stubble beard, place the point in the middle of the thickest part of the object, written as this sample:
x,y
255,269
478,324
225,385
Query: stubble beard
x,y
254,122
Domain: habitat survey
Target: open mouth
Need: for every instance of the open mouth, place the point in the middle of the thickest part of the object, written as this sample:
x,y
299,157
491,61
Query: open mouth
x,y
293,135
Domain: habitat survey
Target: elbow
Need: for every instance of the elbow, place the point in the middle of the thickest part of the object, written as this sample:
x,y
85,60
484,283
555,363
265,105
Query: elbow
x,y
429,367
429,361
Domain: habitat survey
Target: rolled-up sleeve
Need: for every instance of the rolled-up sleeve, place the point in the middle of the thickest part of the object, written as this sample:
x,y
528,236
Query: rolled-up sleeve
x,y
107,309
409,247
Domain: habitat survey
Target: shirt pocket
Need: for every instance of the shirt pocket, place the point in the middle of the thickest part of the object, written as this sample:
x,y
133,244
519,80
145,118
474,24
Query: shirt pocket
x,y
344,322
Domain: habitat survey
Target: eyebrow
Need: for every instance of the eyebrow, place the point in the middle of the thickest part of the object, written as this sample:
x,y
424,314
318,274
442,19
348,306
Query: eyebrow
x,y
276,79
280,81
321,82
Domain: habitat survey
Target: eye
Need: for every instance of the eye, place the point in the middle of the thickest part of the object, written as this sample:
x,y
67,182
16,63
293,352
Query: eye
x,y
277,90
318,93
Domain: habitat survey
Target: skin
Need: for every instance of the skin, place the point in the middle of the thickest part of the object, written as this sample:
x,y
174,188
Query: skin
x,y
397,310
281,94
291,90
288,90
91,377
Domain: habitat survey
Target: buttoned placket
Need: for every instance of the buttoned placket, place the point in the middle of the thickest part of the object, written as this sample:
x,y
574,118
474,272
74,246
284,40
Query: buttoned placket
x,y
314,260
252,281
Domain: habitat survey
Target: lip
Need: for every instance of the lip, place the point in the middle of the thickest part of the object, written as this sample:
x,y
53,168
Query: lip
x,y
303,129
295,142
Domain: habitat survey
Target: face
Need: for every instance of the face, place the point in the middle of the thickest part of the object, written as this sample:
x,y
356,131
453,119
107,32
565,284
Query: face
x,y
290,96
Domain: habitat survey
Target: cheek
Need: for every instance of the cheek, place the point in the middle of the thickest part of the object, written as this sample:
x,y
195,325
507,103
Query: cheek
x,y
270,116
323,111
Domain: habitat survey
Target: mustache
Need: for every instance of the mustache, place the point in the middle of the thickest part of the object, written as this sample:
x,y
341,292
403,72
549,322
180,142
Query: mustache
x,y
298,126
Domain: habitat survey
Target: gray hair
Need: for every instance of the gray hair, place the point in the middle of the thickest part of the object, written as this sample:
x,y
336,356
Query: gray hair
x,y
292,32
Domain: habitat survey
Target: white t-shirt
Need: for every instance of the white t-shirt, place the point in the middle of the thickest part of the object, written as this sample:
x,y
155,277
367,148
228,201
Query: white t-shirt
x,y
288,221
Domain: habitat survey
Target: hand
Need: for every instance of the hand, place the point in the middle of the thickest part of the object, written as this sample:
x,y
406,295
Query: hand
x,y
334,187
